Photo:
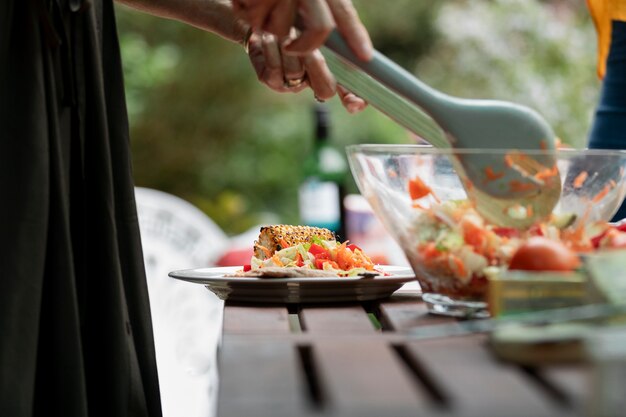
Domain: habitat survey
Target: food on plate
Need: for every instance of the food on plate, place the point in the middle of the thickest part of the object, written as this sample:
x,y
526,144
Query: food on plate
x,y
290,251
456,249
282,272
275,238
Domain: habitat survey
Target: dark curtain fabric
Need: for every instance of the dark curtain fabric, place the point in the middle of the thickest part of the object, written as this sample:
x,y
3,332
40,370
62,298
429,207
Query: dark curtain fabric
x,y
75,329
609,126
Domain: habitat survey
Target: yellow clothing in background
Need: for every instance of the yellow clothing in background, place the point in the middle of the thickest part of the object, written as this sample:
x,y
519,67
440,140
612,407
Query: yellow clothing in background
x,y
603,12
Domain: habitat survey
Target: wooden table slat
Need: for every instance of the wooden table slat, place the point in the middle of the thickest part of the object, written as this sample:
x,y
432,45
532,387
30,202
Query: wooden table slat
x,y
366,379
243,319
404,313
477,385
260,379
329,360
336,320
574,380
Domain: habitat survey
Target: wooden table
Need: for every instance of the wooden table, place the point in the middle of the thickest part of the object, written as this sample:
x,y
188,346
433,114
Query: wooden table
x,y
354,360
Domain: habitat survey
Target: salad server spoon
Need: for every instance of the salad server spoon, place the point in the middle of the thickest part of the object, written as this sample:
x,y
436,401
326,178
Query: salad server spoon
x,y
500,183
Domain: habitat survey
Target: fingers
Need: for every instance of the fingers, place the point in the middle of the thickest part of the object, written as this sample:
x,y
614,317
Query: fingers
x,y
351,28
292,65
272,16
320,78
323,83
318,18
281,18
273,74
278,72
255,12
288,73
350,101
317,23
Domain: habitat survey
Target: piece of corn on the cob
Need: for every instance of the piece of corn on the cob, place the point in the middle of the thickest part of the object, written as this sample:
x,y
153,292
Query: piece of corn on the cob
x,y
272,238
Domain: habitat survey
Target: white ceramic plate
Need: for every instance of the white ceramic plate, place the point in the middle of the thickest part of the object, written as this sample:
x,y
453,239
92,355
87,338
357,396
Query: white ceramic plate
x,y
296,290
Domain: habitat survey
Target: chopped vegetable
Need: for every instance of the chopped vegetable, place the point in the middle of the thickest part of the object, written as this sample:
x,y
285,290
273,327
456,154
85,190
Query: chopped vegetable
x,y
601,194
418,189
542,254
329,255
454,242
580,179
492,175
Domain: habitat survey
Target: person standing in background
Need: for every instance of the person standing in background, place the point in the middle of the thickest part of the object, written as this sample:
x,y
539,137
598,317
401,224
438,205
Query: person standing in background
x,y
75,329
608,130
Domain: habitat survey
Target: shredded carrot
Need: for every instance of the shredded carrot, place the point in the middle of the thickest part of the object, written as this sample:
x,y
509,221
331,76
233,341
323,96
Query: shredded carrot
x,y
283,243
492,175
547,173
508,160
474,234
529,210
344,257
429,251
460,266
277,260
418,206
580,179
601,194
519,186
266,251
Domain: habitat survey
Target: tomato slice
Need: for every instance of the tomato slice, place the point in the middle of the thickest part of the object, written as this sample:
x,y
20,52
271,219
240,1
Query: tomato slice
x,y
318,251
247,267
542,254
417,189
595,241
506,231
352,247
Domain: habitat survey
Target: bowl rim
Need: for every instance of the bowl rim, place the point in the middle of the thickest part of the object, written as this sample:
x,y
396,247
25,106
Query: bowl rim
x,y
399,149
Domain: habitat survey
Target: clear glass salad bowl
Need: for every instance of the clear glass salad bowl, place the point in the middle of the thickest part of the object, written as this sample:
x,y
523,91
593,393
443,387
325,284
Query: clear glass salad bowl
x,y
416,193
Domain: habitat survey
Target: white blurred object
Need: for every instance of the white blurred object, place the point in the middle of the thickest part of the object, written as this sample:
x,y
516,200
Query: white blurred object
x,y
365,230
186,318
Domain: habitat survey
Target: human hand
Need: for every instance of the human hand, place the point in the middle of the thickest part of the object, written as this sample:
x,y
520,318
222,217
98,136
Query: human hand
x,y
287,73
314,18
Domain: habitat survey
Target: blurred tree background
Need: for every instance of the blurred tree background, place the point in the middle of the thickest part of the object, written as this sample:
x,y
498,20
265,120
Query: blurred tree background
x,y
204,129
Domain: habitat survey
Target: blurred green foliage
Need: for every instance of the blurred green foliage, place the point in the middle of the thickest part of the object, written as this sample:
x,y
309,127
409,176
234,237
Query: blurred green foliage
x,y
203,128
541,54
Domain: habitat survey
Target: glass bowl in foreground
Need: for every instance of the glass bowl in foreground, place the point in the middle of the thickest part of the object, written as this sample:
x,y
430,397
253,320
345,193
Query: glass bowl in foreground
x,y
416,193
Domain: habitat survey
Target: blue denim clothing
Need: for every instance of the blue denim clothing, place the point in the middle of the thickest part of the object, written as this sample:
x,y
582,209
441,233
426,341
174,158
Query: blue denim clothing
x,y
609,126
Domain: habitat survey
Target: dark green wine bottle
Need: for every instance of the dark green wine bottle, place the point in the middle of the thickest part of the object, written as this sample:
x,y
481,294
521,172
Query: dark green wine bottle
x,y
325,171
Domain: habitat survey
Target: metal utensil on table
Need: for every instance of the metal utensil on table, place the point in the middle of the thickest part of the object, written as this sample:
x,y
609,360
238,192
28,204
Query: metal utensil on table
x,y
447,121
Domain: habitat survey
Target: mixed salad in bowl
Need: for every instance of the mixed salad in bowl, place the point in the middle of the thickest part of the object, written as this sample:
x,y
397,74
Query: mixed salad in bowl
x,y
456,250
